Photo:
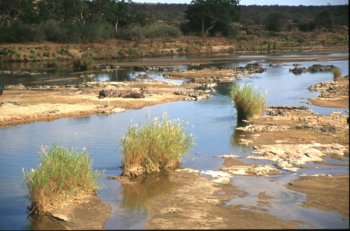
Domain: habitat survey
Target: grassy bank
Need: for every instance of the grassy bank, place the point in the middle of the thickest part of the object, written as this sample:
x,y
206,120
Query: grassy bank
x,y
63,174
159,145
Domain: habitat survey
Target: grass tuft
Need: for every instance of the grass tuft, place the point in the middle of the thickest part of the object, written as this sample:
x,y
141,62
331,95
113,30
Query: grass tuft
x,y
62,175
157,146
336,73
248,101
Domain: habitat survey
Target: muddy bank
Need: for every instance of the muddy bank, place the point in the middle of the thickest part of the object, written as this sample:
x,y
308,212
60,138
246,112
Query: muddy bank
x,y
198,202
20,104
328,193
85,214
332,94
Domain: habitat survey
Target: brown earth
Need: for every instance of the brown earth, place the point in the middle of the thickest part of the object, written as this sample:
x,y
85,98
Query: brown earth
x,y
328,193
19,105
82,214
191,201
332,94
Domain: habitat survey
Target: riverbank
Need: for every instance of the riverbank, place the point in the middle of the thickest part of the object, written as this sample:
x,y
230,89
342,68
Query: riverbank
x,y
23,105
286,42
332,94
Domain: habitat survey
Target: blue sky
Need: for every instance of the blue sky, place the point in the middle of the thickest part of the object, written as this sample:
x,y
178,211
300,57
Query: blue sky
x,y
264,2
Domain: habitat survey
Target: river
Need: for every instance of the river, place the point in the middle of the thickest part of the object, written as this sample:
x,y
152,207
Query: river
x,y
212,123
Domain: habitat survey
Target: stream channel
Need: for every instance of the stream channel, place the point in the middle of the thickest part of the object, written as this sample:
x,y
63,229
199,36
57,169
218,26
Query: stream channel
x,y
212,123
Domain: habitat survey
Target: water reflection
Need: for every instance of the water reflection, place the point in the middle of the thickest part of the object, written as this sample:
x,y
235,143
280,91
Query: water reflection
x,y
135,196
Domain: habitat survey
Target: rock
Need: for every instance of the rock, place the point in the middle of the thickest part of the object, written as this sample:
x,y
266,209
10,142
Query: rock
x,y
194,95
10,103
109,93
104,93
220,177
228,156
15,87
291,156
135,95
328,128
141,76
320,68
254,68
298,70
61,217
259,170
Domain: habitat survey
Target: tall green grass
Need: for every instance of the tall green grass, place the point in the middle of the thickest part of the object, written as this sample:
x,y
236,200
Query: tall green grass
x,y
336,73
62,174
248,101
159,145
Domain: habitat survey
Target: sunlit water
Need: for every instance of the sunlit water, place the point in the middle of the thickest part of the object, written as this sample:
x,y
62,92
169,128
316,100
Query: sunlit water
x,y
212,123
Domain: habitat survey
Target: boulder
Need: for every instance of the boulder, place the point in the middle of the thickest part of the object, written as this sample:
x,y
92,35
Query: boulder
x,y
135,95
298,70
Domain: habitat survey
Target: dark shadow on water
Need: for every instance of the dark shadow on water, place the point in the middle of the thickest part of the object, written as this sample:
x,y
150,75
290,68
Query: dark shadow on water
x,y
225,88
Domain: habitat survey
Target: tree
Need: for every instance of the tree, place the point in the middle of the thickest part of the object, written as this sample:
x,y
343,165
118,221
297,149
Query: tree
x,y
273,21
114,12
206,16
324,19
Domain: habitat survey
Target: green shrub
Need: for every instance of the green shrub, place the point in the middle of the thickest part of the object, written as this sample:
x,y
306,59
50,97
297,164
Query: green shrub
x,y
132,32
62,175
156,30
157,146
248,102
161,30
83,64
336,73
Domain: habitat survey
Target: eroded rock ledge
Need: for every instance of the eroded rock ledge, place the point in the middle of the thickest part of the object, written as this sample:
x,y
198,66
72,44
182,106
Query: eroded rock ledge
x,y
332,94
293,136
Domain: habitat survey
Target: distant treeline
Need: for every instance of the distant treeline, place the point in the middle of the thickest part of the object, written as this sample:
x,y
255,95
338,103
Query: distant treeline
x,y
98,20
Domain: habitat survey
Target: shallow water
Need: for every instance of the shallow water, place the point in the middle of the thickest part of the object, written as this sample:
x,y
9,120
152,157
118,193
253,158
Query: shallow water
x,y
212,123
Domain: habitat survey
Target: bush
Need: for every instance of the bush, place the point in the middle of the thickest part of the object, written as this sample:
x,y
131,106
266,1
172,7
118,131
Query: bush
x,y
156,30
161,30
232,30
83,64
248,102
62,175
157,146
311,26
336,73
132,32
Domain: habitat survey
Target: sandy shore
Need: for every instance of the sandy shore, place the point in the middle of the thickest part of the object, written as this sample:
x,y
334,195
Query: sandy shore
x,y
328,193
18,106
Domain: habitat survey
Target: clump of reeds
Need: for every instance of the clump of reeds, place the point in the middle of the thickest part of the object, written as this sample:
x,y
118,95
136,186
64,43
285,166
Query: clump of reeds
x,y
336,73
62,175
158,145
248,101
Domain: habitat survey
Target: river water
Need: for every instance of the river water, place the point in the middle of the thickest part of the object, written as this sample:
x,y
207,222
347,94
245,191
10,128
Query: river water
x,y
212,123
